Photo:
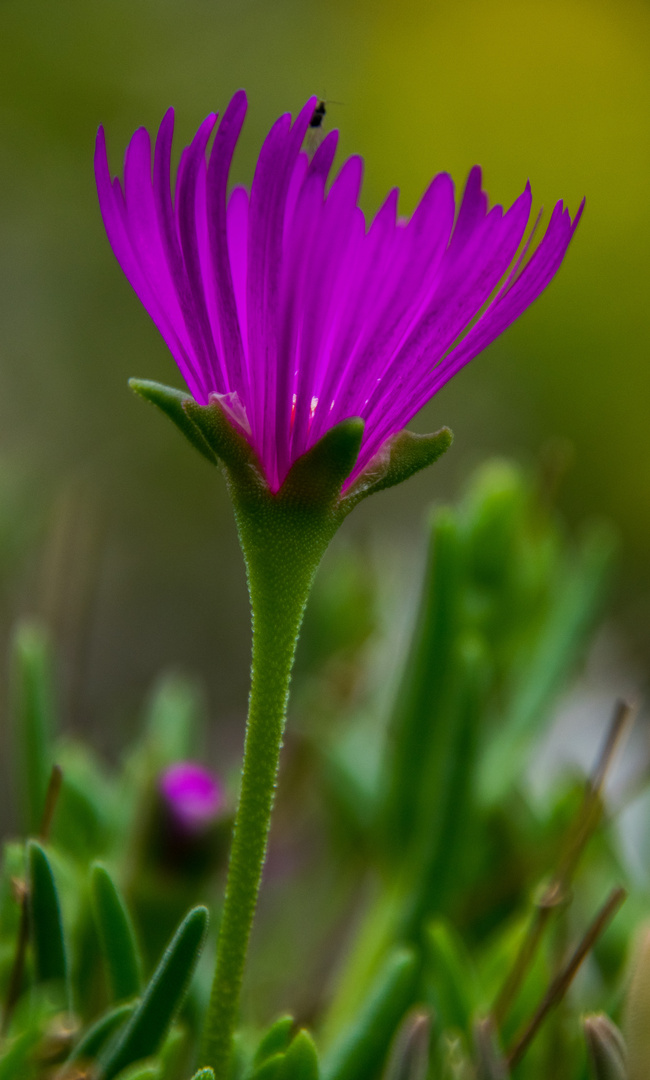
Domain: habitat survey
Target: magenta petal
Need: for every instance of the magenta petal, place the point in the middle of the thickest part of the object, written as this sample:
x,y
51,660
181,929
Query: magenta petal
x,y
217,181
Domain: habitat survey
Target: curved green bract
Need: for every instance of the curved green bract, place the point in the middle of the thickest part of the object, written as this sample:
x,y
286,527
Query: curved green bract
x,y
46,925
164,995
116,936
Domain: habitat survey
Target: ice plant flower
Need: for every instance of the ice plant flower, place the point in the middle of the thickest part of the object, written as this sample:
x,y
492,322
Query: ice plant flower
x,y
307,342
192,795
286,308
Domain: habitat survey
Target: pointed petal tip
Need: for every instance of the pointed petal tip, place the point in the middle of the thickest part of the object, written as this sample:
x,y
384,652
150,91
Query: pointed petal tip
x,y
238,102
578,214
475,176
100,147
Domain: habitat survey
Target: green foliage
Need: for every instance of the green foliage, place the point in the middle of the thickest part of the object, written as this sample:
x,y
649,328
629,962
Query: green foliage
x,y
50,963
149,1024
411,865
116,936
275,1041
33,718
98,1034
363,1044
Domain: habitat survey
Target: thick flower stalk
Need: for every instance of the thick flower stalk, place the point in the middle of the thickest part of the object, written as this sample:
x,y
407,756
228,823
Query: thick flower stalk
x,y
307,339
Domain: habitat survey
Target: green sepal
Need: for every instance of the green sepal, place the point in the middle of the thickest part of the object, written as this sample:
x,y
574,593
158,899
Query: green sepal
x,y
400,458
46,924
361,1049
320,472
97,1035
171,402
116,936
607,1050
223,440
276,1040
318,476
163,997
204,1074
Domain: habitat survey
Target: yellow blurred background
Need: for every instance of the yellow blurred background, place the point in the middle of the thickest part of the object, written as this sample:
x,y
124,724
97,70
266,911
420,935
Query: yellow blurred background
x,y
125,539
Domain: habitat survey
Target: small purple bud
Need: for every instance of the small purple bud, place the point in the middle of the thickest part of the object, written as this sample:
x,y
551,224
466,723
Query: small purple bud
x,y
192,796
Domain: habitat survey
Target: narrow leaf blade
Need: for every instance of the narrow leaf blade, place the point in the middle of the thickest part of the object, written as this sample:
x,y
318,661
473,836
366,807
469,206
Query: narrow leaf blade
x,y
116,936
46,925
163,997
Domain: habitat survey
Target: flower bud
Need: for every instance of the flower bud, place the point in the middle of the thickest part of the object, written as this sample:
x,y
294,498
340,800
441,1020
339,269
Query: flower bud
x,y
607,1052
190,823
192,795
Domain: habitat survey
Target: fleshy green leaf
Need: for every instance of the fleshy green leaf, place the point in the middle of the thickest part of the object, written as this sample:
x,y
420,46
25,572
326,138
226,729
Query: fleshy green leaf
x,y
96,1037
17,1055
450,976
360,1051
141,1071
578,600
298,1062
276,1040
33,712
270,1068
446,800
163,997
301,1059
46,926
116,936
417,724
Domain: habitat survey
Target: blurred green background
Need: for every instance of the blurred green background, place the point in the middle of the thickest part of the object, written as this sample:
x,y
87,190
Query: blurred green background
x,y
110,526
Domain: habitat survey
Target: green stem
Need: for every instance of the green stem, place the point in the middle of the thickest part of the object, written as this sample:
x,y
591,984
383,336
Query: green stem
x,y
280,571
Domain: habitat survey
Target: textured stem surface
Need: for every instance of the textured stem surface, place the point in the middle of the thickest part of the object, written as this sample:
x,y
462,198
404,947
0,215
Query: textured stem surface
x,y
279,581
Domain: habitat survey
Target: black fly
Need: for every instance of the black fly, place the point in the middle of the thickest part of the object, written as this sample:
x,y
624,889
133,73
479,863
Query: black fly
x,y
318,115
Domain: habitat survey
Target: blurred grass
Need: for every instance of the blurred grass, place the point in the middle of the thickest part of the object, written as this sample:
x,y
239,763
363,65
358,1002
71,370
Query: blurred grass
x,y
555,91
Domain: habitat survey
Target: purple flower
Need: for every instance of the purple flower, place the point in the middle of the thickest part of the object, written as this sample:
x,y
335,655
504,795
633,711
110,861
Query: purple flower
x,y
284,306
192,796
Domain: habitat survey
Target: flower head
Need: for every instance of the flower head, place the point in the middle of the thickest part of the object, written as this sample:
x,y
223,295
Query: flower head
x,y
288,308
192,796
